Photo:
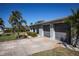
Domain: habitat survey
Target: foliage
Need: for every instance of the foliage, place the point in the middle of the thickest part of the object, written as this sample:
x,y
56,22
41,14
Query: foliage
x,y
73,22
33,34
16,21
8,30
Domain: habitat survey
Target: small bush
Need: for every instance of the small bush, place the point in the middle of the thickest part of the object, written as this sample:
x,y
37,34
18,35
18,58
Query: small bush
x,y
33,34
8,31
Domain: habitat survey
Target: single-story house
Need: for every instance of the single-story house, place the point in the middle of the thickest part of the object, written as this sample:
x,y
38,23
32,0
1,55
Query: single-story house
x,y
55,29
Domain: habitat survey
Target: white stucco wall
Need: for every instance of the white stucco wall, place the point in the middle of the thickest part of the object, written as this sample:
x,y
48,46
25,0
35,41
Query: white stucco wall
x,y
52,32
35,30
41,32
31,30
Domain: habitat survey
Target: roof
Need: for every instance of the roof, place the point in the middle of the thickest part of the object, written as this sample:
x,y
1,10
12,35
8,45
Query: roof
x,y
61,20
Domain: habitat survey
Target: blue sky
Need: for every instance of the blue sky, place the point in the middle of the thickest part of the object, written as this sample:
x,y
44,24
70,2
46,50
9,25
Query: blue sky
x,y
36,12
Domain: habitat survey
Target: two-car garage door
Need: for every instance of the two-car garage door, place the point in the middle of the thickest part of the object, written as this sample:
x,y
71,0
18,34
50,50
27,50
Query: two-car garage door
x,y
46,29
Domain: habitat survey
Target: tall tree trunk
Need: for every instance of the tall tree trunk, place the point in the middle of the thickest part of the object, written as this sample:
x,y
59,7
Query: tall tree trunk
x,y
14,32
77,37
68,36
73,36
18,29
18,34
75,45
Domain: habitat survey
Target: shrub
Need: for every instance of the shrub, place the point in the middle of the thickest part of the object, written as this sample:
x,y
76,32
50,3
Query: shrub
x,y
33,34
8,30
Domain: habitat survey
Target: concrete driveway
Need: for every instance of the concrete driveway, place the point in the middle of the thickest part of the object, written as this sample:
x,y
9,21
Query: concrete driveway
x,y
26,47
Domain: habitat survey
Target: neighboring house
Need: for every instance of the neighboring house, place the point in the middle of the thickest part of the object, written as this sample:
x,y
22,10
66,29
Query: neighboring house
x,y
55,29
1,31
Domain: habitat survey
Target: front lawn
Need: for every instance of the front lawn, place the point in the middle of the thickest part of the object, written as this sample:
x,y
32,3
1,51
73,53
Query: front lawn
x,y
13,36
7,37
58,52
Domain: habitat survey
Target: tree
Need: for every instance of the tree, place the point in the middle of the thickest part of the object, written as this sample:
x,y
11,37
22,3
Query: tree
x,y
24,25
15,20
76,25
1,24
73,22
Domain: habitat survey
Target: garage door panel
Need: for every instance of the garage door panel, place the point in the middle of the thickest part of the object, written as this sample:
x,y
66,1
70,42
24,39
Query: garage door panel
x,y
47,33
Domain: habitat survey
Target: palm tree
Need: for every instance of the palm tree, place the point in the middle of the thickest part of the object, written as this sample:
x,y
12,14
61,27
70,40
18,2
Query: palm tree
x,y
15,20
76,25
23,25
73,21
2,24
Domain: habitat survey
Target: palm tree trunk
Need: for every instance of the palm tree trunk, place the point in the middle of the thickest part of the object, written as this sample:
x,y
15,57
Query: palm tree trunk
x,y
69,37
73,36
77,38
18,30
18,34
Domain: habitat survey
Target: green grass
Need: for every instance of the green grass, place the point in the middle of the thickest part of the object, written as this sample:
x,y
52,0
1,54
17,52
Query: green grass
x,y
58,52
7,37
